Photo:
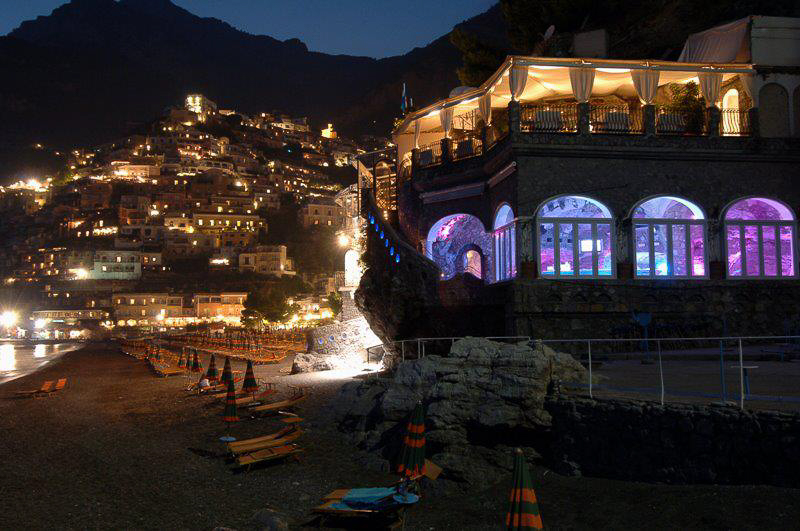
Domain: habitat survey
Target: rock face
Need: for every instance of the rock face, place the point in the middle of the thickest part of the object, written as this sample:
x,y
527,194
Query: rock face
x,y
482,398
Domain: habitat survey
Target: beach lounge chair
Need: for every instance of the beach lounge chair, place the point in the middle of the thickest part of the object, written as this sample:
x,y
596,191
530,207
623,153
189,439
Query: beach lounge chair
x,y
250,447
268,454
60,384
377,505
281,404
45,388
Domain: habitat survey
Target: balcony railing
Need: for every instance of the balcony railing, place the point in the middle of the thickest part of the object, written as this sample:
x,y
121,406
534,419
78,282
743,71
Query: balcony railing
x,y
678,122
430,154
468,147
543,118
616,119
734,122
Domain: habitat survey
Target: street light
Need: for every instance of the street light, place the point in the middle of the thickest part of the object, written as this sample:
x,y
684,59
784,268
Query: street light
x,y
343,240
8,319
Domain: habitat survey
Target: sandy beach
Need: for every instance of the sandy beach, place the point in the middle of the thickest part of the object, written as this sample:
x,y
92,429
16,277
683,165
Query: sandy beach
x,y
120,448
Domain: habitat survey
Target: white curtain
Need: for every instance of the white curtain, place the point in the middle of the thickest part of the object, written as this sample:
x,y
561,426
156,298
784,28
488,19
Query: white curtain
x,y
485,108
517,79
582,80
446,118
646,84
710,83
416,133
752,85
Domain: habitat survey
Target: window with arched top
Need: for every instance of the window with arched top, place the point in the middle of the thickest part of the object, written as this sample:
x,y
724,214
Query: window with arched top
x,y
505,244
759,239
575,238
669,238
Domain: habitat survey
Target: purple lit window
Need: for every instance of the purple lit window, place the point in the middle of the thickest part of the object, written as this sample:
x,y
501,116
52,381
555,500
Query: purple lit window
x,y
575,238
669,238
505,245
760,239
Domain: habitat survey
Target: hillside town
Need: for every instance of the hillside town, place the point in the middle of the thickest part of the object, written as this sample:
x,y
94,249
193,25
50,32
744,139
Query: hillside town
x,y
175,226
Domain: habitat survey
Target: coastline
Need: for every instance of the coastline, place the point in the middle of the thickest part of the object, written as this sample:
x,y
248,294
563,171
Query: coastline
x,y
120,448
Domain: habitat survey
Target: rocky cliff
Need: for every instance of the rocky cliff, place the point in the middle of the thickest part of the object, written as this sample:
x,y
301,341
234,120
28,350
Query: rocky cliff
x,y
481,399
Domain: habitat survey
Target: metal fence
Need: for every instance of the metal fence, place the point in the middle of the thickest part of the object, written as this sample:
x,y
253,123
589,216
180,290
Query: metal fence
x,y
430,154
554,118
616,119
760,372
734,122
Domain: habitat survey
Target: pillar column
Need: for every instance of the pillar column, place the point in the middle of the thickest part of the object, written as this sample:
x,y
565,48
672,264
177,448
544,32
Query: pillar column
x,y
583,118
713,121
649,119
446,151
513,116
755,126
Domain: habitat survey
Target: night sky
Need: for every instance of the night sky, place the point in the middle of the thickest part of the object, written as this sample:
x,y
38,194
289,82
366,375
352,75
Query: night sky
x,y
375,28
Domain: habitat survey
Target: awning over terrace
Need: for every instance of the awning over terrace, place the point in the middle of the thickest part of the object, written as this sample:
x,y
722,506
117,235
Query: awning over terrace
x,y
540,79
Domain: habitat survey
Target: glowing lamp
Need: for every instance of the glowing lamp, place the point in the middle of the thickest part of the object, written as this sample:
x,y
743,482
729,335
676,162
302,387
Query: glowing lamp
x,y
8,319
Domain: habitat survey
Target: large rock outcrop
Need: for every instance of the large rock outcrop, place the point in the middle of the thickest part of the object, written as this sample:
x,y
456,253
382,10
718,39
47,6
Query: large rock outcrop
x,y
482,398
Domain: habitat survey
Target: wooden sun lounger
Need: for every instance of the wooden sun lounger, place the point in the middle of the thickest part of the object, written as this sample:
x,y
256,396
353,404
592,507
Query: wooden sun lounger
x,y
61,384
250,398
45,388
281,404
268,454
272,436
270,443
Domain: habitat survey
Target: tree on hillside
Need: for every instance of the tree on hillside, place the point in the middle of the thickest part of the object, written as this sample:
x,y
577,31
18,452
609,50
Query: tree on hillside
x,y
266,303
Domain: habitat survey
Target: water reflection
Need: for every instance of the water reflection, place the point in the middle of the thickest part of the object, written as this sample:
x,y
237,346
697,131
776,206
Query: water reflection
x,y
40,351
8,360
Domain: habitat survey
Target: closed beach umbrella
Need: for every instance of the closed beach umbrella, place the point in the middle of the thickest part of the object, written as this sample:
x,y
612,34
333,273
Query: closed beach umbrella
x,y
412,454
196,363
250,384
523,510
181,364
230,404
211,374
227,374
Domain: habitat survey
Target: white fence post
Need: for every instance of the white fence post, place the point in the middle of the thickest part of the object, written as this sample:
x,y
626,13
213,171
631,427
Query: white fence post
x,y
660,371
589,344
741,376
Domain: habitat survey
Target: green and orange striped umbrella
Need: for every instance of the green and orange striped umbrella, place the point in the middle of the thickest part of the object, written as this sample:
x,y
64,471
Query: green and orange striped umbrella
x,y
412,454
181,365
523,510
196,367
227,374
230,404
211,374
250,384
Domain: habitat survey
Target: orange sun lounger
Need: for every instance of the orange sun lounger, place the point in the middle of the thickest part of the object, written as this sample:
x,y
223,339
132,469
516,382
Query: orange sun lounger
x,y
45,388
250,447
275,406
268,454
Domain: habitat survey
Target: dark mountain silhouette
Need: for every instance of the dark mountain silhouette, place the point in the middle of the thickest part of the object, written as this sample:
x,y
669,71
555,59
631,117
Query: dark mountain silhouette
x,y
91,69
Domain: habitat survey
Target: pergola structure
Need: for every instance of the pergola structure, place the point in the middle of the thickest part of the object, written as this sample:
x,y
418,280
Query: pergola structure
x,y
532,80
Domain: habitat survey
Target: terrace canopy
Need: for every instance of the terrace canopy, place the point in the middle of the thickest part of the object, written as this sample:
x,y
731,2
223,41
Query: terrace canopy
x,y
539,79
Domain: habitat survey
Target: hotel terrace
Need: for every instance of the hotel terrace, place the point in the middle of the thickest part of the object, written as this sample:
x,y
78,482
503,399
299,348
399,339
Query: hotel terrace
x,y
598,173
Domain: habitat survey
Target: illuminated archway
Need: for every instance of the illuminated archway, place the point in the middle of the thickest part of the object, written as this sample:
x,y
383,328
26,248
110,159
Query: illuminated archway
x,y
669,238
575,238
449,239
505,243
759,239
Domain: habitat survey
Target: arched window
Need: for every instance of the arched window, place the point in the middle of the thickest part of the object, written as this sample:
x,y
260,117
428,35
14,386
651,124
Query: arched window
x,y
669,238
505,244
731,122
473,263
759,239
576,234
450,236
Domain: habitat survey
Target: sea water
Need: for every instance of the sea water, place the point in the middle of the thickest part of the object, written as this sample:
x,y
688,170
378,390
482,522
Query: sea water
x,y
19,359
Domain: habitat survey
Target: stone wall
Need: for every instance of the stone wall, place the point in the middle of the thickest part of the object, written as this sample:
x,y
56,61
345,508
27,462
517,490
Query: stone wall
x,y
342,338
674,443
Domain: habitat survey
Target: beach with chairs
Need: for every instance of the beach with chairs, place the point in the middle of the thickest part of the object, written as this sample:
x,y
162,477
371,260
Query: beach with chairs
x,y
130,440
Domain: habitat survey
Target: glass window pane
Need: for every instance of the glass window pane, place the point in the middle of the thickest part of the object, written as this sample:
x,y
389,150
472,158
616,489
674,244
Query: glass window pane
x,y
547,248
734,251
512,257
566,249
604,249
770,250
642,236
585,249
679,250
660,249
698,244
787,251
752,267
